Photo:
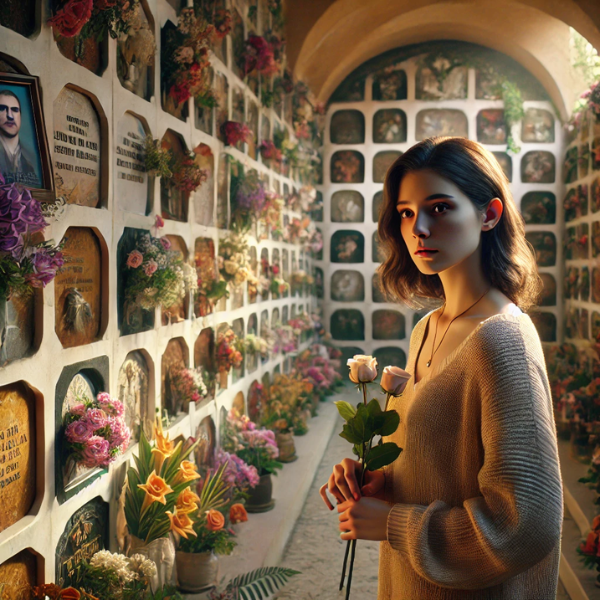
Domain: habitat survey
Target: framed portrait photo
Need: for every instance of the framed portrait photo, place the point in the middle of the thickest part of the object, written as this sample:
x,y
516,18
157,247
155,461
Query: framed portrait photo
x,y
24,156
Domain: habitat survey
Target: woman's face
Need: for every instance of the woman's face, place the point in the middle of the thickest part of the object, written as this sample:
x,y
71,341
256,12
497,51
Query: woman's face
x,y
436,214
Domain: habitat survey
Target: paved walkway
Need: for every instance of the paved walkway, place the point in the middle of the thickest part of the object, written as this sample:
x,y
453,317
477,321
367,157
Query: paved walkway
x,y
316,550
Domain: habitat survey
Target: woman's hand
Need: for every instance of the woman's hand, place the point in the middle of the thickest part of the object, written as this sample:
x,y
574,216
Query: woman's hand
x,y
364,520
343,483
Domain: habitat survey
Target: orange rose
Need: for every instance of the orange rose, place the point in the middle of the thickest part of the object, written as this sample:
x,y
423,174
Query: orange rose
x,y
238,514
187,472
156,489
215,521
69,594
181,523
186,501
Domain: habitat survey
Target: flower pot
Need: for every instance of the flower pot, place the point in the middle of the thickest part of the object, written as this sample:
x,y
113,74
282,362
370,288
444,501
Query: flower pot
x,y
260,499
287,448
197,572
162,552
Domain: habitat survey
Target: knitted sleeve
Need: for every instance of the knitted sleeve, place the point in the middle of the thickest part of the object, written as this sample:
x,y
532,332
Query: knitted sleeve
x,y
516,521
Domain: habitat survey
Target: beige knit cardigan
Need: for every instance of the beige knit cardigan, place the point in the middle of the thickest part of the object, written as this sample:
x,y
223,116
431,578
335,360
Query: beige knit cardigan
x,y
477,491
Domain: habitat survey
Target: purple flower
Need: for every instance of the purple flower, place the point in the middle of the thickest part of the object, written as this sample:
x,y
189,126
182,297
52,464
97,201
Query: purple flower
x,y
96,452
45,265
96,418
166,242
78,432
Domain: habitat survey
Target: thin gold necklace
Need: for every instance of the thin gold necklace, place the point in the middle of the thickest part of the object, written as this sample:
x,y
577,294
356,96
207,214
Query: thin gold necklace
x,y
436,326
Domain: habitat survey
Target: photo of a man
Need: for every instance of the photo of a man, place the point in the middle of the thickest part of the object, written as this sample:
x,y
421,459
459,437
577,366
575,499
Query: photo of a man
x,y
19,159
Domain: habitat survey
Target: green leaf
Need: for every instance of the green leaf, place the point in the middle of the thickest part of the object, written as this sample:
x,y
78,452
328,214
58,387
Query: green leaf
x,y
357,449
391,420
260,583
348,433
346,410
383,455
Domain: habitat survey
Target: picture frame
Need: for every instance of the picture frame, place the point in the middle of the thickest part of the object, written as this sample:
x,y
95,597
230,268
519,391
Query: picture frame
x,y
24,152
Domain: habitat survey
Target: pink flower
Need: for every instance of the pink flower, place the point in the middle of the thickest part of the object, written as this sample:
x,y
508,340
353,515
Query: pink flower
x,y
78,410
96,418
96,452
150,267
135,259
159,222
120,434
166,243
104,398
78,432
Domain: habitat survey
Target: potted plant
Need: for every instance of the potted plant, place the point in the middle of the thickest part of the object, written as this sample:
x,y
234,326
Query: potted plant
x,y
256,447
205,537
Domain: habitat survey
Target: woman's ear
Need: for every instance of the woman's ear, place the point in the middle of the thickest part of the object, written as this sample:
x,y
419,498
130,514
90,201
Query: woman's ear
x,y
492,214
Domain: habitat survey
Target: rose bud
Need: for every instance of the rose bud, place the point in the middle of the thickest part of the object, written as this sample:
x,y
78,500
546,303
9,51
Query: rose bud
x,y
363,369
394,380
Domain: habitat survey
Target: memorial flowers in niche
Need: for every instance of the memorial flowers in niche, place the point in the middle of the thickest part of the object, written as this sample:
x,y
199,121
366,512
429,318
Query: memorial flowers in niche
x,y
187,176
229,349
235,132
188,385
232,258
96,432
24,263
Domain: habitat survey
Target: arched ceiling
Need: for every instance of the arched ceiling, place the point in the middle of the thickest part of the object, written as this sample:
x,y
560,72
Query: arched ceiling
x,y
328,39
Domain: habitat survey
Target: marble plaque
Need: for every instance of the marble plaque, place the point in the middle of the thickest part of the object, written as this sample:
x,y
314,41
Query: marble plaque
x,y
238,328
388,325
17,452
131,179
206,434
347,286
85,533
538,208
347,127
431,86
204,258
382,161
389,126
443,121
548,297
173,202
347,166
390,356
505,162
538,166
77,147
177,312
204,115
253,124
204,356
237,40
88,52
78,289
222,108
537,126
265,128
584,285
20,326
174,359
204,196
583,161
544,244
347,247
223,190
390,84
347,324
18,575
133,386
491,126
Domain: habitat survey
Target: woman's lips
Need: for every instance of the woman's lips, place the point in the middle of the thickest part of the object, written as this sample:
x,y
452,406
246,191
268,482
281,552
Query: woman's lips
x,y
425,253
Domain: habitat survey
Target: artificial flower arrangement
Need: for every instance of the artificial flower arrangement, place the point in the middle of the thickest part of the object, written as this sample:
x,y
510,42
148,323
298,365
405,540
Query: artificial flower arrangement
x,y
234,133
314,243
157,496
185,56
232,259
229,351
156,275
269,152
300,278
274,93
188,385
187,174
258,345
256,447
93,18
271,212
261,54
298,231
114,576
248,199
315,364
301,325
220,18
24,263
289,396
95,432
285,338
307,114
239,478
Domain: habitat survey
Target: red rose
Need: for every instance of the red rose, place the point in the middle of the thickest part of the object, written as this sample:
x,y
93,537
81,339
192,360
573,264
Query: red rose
x,y
180,92
104,4
70,19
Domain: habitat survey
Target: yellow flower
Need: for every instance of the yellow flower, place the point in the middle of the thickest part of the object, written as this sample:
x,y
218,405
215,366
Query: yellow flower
x,y
186,501
181,523
187,472
156,489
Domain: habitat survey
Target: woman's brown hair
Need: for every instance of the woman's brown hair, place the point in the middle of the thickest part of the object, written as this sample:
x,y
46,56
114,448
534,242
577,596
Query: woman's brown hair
x,y
507,258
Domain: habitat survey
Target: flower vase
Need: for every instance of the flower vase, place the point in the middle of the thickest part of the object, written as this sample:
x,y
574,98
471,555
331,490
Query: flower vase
x,y
197,572
287,448
162,552
260,499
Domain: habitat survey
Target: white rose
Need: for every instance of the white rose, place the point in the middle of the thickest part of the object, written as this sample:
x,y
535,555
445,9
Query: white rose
x,y
363,369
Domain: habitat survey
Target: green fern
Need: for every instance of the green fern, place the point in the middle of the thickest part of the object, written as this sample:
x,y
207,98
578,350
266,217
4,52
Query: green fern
x,y
260,583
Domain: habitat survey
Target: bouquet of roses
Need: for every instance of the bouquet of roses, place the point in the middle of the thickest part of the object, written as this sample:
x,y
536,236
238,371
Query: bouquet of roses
x,y
256,447
235,132
269,151
188,385
24,264
259,55
227,354
96,431
233,263
271,210
255,344
285,338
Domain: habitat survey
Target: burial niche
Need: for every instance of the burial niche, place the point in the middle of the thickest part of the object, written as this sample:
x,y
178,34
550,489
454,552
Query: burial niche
x,y
347,246
347,166
18,464
347,127
388,325
173,200
204,258
205,357
347,286
18,575
132,186
389,126
347,206
179,311
347,324
382,161
78,289
134,393
174,361
77,155
441,121
206,435
204,197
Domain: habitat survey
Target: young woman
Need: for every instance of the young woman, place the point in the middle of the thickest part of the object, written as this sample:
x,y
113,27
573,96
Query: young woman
x,y
472,509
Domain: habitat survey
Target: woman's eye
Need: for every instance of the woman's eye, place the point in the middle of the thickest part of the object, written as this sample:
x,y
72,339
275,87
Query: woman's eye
x,y
441,204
